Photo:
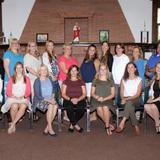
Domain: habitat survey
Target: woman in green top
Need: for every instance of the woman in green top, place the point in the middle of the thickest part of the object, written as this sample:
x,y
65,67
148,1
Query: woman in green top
x,y
103,92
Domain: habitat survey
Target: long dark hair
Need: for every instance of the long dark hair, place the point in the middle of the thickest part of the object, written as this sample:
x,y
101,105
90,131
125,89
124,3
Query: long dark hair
x,y
70,69
87,53
121,45
50,55
104,58
126,74
15,74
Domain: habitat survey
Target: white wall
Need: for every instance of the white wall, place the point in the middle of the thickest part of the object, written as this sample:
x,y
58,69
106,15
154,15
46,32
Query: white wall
x,y
16,12
14,16
138,12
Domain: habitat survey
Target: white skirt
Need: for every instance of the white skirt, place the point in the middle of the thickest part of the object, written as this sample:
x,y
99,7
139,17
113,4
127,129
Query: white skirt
x,y
6,107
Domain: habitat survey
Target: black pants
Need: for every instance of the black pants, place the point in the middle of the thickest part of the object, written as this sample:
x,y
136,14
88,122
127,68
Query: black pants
x,y
74,112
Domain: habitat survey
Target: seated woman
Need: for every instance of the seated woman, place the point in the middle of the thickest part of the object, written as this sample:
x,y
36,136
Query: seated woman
x,y
18,94
153,104
130,88
103,92
74,94
44,98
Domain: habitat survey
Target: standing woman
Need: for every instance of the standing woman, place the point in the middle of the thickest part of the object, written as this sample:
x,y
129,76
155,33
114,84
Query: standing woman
x,y
32,63
140,63
10,58
49,58
64,62
103,92
107,57
152,106
18,94
74,94
89,69
131,87
44,98
120,61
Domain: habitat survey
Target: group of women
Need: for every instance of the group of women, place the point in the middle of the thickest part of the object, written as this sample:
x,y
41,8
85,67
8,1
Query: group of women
x,y
41,81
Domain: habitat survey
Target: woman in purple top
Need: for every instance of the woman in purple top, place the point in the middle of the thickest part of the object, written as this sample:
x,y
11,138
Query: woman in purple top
x,y
74,94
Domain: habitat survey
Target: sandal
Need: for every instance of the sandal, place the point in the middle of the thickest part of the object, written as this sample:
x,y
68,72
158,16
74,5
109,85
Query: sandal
x,y
35,118
108,130
112,127
158,129
119,129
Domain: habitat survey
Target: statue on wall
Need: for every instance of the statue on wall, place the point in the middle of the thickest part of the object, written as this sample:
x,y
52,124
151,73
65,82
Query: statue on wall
x,y
76,33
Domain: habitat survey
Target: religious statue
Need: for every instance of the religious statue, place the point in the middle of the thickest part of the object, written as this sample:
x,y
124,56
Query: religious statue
x,y
76,33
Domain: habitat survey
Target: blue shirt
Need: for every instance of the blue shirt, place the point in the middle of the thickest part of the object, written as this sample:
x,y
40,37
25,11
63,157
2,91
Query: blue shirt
x,y
153,60
46,89
88,71
140,63
13,59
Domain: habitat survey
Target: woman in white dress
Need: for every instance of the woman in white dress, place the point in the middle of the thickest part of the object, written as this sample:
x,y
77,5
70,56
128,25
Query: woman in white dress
x,y
18,94
32,63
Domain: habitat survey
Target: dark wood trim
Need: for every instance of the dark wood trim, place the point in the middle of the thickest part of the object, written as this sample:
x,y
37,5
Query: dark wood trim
x,y
154,20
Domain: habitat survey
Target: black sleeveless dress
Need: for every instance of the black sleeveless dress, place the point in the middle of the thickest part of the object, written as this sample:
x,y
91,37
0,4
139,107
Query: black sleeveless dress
x,y
156,89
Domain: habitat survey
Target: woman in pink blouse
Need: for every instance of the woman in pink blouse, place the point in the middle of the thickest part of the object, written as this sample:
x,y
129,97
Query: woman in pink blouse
x,y
18,94
65,61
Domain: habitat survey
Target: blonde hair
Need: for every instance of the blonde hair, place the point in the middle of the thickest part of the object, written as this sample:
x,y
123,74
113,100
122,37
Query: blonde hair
x,y
39,71
12,41
28,47
97,77
65,45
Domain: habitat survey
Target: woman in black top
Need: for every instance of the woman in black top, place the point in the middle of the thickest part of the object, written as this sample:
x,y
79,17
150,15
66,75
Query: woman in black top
x,y
153,104
107,57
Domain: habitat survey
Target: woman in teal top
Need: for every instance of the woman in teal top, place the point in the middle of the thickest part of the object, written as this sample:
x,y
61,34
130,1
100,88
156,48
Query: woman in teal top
x,y
10,58
140,63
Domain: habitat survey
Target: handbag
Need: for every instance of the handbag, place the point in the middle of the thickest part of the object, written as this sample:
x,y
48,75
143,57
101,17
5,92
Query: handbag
x,y
43,105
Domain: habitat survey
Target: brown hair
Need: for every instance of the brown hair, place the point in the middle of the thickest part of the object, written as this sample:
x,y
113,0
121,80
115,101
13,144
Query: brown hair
x,y
104,58
140,51
87,57
121,45
50,54
15,74
156,77
126,74
70,69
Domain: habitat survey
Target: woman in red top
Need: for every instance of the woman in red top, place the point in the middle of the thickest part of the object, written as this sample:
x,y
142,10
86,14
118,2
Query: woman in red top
x,y
74,94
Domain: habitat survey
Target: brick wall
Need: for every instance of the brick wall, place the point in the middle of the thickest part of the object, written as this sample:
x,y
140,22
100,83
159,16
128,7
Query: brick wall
x,y
48,16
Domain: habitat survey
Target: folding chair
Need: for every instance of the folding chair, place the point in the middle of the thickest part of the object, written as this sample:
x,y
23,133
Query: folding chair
x,y
30,117
120,111
61,108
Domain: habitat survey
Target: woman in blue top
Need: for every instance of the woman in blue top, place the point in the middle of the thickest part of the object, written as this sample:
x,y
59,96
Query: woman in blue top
x,y
140,63
44,98
89,67
10,58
